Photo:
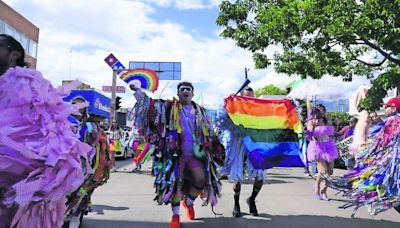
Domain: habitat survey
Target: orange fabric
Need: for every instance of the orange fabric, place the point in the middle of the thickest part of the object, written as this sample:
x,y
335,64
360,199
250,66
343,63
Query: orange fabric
x,y
189,210
175,223
258,107
104,163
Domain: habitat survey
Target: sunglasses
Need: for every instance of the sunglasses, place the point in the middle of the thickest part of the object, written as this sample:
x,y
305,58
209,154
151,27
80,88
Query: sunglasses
x,y
183,89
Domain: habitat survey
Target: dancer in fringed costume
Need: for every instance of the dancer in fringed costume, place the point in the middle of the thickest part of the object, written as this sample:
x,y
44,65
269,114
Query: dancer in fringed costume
x,y
374,181
186,150
267,130
86,129
40,157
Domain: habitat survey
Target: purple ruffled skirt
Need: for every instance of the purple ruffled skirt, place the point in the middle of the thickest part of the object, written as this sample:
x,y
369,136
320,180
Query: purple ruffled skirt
x,y
322,150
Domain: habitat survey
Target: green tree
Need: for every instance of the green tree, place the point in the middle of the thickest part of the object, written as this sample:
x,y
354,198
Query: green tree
x,y
270,90
321,37
341,118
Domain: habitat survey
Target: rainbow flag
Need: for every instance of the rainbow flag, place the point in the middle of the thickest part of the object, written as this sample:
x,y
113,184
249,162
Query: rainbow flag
x,y
271,131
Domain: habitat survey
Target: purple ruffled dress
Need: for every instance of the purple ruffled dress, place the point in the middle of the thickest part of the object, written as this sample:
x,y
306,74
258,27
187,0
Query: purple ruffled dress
x,y
40,157
322,145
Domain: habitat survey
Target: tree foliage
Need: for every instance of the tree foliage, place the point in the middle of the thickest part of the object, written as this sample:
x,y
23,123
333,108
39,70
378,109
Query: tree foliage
x,y
321,37
339,118
270,90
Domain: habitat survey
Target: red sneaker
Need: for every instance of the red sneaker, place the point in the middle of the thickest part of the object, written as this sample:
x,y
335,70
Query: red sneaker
x,y
189,210
175,223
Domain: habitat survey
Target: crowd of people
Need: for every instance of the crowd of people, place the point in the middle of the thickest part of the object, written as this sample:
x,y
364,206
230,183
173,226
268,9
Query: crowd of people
x,y
60,153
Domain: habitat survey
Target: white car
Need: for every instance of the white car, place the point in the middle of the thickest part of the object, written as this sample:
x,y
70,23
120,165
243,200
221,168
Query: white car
x,y
126,145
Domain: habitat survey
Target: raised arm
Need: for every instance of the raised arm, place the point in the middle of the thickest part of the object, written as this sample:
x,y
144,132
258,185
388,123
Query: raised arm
x,y
360,132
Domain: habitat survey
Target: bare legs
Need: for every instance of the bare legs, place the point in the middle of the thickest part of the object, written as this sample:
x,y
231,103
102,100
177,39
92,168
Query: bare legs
x,y
324,168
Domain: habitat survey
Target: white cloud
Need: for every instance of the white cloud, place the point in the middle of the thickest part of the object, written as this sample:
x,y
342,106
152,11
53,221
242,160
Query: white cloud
x,y
76,36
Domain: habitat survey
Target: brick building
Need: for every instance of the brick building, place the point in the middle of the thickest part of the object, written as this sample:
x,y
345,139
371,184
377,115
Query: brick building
x,y
14,24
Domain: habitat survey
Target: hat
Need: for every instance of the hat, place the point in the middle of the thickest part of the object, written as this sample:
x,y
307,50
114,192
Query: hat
x,y
394,102
135,83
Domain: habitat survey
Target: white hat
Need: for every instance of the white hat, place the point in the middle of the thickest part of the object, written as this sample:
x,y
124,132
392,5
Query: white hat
x,y
136,83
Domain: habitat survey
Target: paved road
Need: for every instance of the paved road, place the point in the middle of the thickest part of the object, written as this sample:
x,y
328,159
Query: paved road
x,y
285,201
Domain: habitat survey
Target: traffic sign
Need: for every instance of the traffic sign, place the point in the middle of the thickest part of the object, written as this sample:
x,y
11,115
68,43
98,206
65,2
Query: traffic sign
x,y
114,63
118,89
111,60
118,65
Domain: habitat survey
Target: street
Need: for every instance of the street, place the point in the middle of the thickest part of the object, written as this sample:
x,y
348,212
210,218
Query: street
x,y
285,201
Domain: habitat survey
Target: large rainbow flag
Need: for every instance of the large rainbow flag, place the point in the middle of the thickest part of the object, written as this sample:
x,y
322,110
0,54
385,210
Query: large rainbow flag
x,y
271,131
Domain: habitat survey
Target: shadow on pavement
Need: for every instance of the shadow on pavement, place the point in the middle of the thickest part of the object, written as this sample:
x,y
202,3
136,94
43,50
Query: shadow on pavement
x,y
277,174
99,209
290,177
308,221
95,223
269,181
264,220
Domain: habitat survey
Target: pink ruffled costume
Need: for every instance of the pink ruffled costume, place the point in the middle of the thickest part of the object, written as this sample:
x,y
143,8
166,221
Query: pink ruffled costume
x,y
40,157
322,145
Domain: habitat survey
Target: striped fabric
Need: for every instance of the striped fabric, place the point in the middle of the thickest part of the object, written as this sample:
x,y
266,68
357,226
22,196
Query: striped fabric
x,y
270,130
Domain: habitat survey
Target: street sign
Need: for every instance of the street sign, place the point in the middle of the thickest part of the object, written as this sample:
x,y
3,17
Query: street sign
x,y
114,63
118,65
118,89
111,60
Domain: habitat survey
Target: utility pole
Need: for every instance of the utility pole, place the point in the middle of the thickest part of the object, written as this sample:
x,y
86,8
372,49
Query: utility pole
x,y
114,84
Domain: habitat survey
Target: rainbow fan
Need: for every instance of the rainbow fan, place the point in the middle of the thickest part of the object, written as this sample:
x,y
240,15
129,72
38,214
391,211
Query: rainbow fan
x,y
148,78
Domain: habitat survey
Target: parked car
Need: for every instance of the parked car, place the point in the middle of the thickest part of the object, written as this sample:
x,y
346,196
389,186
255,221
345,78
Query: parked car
x,y
126,145
126,150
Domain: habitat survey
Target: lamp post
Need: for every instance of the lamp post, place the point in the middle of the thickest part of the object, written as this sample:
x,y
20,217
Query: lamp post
x,y
113,92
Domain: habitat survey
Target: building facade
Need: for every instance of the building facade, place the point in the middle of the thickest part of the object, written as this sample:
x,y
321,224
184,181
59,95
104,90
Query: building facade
x,y
24,31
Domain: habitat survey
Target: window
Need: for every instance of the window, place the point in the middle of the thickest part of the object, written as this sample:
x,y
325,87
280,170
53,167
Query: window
x,y
18,36
32,48
9,30
25,42
2,27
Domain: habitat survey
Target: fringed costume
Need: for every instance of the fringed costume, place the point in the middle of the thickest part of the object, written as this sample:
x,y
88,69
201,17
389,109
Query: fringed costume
x,y
375,180
79,202
163,125
40,157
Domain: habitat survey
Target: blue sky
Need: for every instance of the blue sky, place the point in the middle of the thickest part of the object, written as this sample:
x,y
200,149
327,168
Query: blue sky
x,y
74,41
198,22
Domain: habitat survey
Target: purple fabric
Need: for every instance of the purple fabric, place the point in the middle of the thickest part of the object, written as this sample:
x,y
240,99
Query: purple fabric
x,y
40,157
186,136
189,163
322,149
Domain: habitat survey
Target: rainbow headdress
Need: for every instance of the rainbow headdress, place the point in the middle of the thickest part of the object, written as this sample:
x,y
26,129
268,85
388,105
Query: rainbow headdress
x,y
148,78
270,130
